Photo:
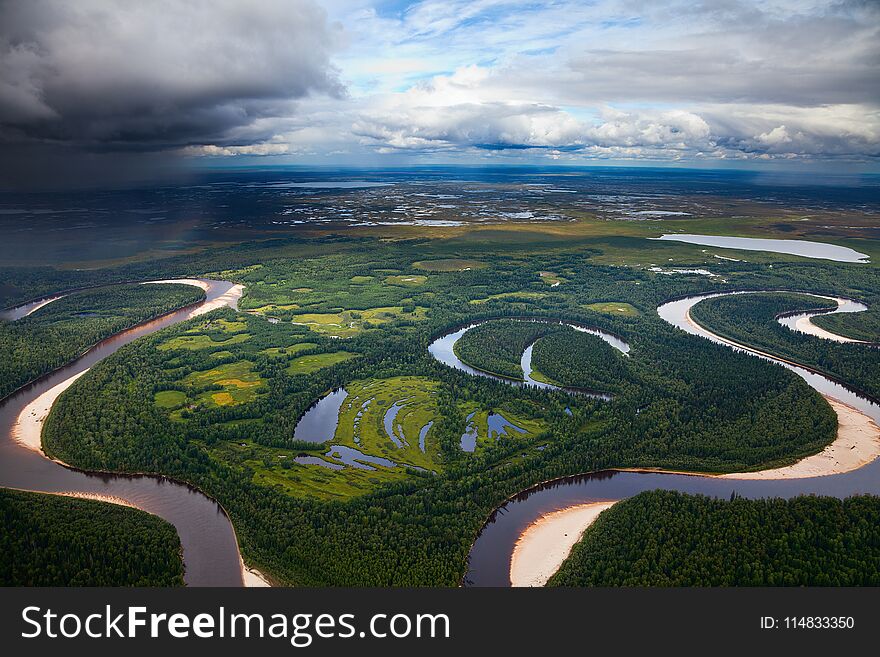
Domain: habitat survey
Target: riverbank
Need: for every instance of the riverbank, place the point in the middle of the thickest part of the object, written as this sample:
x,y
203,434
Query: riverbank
x,y
857,444
207,538
28,427
253,578
546,543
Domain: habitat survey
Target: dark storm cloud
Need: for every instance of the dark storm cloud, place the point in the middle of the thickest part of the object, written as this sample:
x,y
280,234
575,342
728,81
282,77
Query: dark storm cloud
x,y
145,76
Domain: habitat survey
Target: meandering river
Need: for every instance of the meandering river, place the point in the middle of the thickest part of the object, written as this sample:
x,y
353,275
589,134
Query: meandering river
x,y
490,557
210,549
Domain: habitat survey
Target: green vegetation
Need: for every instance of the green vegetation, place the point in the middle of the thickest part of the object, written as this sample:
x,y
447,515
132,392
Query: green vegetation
x,y
309,364
575,359
60,331
679,402
49,540
348,323
234,383
362,419
449,264
859,326
413,280
523,297
751,319
663,538
497,346
613,308
551,279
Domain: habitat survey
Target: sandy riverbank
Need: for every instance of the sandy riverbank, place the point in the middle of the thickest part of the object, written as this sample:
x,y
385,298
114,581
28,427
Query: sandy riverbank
x,y
805,325
547,542
857,444
96,497
253,578
230,298
28,425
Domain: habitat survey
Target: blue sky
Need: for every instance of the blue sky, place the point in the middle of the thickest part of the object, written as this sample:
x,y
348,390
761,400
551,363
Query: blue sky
x,y
781,83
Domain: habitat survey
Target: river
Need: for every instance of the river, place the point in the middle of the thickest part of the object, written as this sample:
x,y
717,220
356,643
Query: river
x,y
489,559
210,549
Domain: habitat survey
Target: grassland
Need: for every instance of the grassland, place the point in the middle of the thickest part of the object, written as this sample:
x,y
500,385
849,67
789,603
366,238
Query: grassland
x,y
613,308
348,323
287,352
315,362
362,419
523,297
414,280
239,382
276,468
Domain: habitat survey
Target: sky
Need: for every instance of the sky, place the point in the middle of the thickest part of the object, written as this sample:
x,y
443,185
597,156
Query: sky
x,y
101,88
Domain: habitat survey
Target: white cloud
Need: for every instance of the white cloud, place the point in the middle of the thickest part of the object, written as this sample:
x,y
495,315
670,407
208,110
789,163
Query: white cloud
x,y
461,79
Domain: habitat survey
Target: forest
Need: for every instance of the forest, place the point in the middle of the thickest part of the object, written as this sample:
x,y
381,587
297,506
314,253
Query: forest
x,y
581,360
215,402
496,347
751,319
664,538
60,331
50,540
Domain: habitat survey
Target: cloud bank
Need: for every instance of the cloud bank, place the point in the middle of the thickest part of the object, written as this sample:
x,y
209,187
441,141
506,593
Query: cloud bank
x,y
367,81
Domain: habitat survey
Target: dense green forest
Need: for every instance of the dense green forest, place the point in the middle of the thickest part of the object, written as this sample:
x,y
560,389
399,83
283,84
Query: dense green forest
x,y
496,347
663,538
581,360
49,540
751,319
215,402
63,329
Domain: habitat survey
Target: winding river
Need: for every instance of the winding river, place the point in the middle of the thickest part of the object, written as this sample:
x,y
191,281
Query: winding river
x,y
489,561
443,349
210,549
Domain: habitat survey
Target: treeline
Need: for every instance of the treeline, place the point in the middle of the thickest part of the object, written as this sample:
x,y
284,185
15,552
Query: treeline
x,y
751,319
663,538
497,346
49,540
60,331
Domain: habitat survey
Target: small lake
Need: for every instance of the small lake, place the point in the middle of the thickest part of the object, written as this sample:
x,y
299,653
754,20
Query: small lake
x,y
318,424
801,248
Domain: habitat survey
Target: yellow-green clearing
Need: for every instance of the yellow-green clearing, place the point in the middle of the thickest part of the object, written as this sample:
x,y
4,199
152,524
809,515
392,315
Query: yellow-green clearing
x,y
314,362
287,352
347,323
613,308
201,341
526,297
412,280
241,384
169,398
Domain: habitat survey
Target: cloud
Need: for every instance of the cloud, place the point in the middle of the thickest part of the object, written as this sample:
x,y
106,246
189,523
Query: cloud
x,y
118,75
467,111
368,81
